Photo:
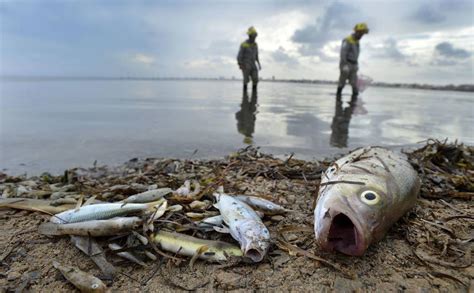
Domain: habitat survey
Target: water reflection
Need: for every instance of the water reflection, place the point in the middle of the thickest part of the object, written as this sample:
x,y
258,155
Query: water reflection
x,y
247,116
340,122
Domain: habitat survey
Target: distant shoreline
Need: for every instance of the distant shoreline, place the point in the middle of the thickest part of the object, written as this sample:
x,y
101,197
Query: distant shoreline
x,y
450,87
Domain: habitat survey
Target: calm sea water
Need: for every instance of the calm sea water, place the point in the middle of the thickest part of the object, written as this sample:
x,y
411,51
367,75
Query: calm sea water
x,y
54,125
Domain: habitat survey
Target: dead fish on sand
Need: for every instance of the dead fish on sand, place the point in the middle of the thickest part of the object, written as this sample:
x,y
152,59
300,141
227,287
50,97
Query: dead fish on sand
x,y
195,247
361,196
148,196
245,226
91,228
103,211
82,280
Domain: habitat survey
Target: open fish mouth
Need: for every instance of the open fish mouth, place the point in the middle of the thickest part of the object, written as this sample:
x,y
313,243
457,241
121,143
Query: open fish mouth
x,y
254,254
345,237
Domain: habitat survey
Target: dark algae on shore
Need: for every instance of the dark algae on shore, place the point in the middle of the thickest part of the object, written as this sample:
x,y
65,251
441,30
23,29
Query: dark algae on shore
x,y
429,249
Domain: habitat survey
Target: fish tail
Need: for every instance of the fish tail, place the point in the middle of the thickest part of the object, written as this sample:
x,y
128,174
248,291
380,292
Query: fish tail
x,y
49,229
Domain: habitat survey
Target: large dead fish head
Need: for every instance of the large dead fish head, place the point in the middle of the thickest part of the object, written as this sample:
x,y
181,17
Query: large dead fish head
x,y
254,239
348,217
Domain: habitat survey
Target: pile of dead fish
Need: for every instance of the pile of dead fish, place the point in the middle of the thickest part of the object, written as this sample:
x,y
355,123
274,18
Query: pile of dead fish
x,y
151,208
149,223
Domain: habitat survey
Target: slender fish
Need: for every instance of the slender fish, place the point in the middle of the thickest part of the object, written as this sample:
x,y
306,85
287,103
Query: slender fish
x,y
102,211
192,246
91,228
361,196
148,196
266,206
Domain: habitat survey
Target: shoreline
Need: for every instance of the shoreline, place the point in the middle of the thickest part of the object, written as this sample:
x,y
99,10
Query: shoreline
x,y
446,87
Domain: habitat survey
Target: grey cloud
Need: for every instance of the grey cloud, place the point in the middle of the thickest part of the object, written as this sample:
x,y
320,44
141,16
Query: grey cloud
x,y
335,23
281,56
447,49
390,50
427,13
445,54
437,11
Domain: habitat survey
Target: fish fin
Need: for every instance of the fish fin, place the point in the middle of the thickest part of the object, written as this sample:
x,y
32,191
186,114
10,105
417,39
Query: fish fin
x,y
260,214
79,203
159,211
89,201
48,229
221,229
198,253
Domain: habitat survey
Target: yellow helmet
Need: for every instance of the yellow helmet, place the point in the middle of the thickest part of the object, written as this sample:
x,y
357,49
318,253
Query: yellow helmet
x,y
361,27
251,31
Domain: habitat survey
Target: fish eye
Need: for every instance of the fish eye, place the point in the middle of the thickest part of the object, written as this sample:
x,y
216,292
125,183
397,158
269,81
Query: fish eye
x,y
370,197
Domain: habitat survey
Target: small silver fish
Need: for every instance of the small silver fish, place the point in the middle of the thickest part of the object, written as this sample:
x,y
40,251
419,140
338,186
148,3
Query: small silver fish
x,y
101,211
83,281
148,196
245,226
93,228
360,197
266,206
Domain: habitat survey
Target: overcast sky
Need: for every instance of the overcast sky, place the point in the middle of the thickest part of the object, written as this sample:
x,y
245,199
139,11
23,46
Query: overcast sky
x,y
409,41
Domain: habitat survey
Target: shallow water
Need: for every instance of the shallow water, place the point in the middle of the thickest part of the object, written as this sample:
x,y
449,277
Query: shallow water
x,y
54,125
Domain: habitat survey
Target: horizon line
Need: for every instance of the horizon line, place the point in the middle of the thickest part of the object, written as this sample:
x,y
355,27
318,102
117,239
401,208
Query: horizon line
x,y
221,78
